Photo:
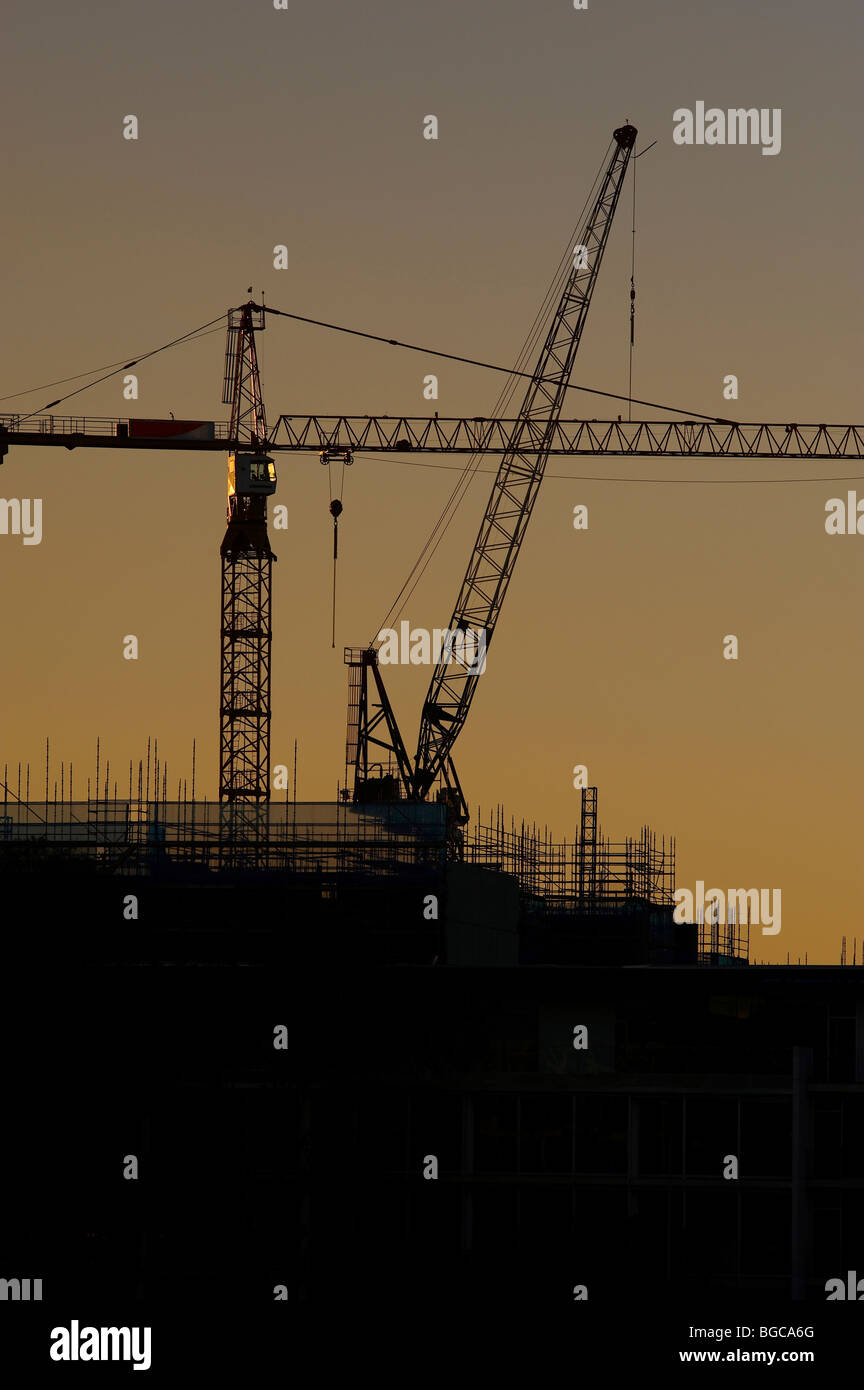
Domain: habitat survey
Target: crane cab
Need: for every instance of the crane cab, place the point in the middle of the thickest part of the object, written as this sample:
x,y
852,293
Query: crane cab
x,y
251,475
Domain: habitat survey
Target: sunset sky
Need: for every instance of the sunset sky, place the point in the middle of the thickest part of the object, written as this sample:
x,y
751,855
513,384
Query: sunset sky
x,y
259,127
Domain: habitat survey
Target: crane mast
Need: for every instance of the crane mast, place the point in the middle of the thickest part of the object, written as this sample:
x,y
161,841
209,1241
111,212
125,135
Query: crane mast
x,y
247,565
514,493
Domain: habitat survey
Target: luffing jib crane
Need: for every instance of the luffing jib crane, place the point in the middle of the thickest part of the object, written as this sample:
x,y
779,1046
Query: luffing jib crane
x,y
496,549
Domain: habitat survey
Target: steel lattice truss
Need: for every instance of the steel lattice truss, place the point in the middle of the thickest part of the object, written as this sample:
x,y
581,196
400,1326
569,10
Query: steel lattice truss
x,y
244,753
241,387
640,438
426,434
247,565
517,484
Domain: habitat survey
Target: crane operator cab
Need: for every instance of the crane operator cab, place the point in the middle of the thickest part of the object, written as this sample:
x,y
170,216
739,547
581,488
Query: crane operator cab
x,y
251,475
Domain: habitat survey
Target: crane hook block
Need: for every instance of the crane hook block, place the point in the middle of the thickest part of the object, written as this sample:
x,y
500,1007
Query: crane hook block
x,y
335,508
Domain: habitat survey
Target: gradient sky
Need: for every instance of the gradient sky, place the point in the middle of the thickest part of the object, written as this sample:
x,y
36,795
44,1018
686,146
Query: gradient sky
x,y
304,127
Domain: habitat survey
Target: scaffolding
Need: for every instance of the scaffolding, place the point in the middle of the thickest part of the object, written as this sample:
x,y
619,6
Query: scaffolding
x,y
142,833
154,838
589,875
722,941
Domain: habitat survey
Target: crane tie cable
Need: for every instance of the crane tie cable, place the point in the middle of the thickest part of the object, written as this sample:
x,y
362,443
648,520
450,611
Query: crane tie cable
x,y
496,367
174,341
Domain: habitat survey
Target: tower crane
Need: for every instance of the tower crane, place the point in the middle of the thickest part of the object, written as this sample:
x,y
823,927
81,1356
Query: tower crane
x,y
525,443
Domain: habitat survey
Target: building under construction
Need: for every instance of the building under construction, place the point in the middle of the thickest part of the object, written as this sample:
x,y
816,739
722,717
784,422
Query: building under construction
x,y
383,875
569,1054
400,826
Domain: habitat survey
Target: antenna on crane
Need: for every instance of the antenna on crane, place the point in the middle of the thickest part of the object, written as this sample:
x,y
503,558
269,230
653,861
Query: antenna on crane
x,y
633,285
